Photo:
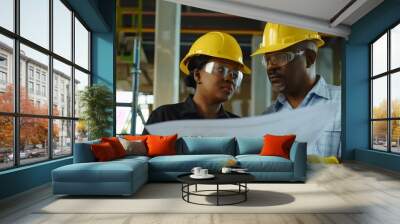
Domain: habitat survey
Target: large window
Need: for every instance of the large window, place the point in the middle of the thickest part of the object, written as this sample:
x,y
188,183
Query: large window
x,y
385,91
44,64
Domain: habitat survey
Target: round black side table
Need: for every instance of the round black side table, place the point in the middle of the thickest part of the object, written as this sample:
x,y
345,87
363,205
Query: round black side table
x,y
238,179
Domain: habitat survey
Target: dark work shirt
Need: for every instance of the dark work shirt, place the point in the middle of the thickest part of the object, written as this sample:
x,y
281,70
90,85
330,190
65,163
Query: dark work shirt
x,y
181,111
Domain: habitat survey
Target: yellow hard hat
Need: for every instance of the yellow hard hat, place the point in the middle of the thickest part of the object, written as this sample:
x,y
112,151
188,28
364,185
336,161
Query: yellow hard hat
x,y
277,37
218,45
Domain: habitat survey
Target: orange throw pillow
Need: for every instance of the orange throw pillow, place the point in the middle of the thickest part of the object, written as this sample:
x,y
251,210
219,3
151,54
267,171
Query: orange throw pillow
x,y
116,145
103,152
161,145
275,145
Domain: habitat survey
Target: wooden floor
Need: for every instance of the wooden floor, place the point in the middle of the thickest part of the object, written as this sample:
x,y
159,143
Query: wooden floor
x,y
377,188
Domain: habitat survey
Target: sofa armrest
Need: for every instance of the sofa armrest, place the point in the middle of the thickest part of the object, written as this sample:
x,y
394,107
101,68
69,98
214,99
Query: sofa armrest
x,y
83,152
298,155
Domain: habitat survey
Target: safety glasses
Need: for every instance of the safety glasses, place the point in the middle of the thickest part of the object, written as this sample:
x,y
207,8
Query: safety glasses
x,y
280,59
215,68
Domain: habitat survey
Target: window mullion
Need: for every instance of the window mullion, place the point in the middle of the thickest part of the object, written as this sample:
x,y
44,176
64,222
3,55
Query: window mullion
x,y
371,89
50,81
389,105
16,69
73,81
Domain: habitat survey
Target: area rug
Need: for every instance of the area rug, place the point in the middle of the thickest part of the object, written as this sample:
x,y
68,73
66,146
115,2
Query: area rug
x,y
167,198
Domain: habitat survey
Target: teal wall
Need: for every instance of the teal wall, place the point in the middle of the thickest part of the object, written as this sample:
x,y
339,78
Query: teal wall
x,y
380,159
103,53
356,85
99,15
24,178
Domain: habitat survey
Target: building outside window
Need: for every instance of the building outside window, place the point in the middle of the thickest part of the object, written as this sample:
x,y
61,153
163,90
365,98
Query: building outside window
x,y
30,72
55,96
3,61
38,89
3,78
30,87
43,90
3,72
44,77
38,75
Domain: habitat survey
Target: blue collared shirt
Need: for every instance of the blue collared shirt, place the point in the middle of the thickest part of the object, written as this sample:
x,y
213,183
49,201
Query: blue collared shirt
x,y
328,143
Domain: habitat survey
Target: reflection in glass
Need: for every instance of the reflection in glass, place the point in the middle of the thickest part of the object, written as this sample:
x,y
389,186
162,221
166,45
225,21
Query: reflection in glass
x,y
62,89
395,95
379,97
81,45
6,142
81,81
34,73
6,74
35,21
7,14
33,139
379,135
395,136
379,55
62,138
62,29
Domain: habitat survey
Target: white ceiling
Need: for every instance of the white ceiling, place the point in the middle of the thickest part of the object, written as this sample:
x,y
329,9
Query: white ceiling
x,y
321,9
318,15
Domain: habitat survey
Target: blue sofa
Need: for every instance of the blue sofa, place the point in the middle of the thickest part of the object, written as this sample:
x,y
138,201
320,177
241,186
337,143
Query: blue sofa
x,y
125,176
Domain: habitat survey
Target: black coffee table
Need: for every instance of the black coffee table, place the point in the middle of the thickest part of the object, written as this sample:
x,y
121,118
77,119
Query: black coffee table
x,y
238,179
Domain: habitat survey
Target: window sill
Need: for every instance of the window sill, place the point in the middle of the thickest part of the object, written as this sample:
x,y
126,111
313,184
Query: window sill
x,y
26,167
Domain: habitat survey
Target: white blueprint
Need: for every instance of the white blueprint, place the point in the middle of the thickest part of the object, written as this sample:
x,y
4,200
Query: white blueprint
x,y
306,123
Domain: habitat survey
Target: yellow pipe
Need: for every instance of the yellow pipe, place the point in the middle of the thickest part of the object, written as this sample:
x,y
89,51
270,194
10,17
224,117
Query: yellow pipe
x,y
196,31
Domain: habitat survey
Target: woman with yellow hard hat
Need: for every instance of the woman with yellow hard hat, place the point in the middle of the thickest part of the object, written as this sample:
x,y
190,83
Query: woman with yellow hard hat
x,y
214,68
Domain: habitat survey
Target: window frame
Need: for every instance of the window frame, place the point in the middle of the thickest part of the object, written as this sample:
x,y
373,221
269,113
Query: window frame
x,y
16,115
388,74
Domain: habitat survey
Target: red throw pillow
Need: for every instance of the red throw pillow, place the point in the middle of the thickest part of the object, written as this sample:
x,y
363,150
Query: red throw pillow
x,y
103,152
116,145
277,145
161,145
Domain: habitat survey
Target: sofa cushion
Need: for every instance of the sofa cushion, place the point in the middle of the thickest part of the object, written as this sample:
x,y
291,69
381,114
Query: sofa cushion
x,y
112,171
257,163
249,145
185,163
131,158
206,145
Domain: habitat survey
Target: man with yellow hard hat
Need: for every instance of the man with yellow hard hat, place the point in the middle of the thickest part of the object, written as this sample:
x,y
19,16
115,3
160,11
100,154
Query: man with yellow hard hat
x,y
289,55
